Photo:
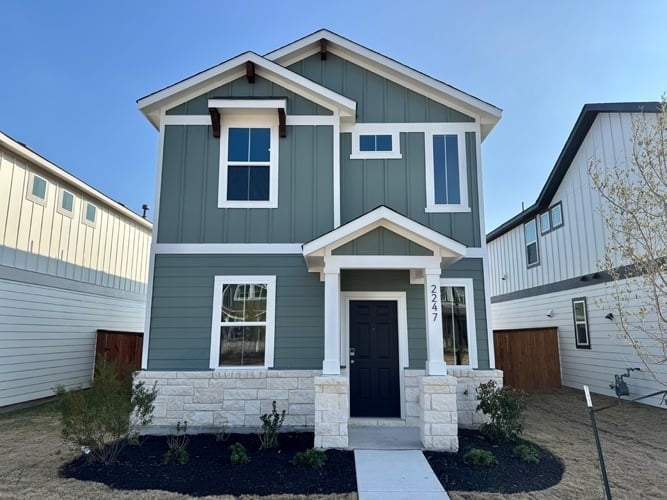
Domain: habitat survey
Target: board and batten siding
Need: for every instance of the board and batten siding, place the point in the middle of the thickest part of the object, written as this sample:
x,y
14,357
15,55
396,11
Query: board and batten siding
x,y
189,210
35,237
609,354
182,309
576,248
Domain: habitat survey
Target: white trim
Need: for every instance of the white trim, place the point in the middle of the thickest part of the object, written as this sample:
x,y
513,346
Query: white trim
x,y
234,103
187,120
151,258
402,318
332,356
31,185
426,127
435,359
216,324
358,154
334,263
228,248
290,120
467,284
265,120
336,171
476,253
431,205
51,168
84,213
59,206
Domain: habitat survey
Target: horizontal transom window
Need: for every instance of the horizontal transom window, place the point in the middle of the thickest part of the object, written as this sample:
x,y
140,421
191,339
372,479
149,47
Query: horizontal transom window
x,y
375,144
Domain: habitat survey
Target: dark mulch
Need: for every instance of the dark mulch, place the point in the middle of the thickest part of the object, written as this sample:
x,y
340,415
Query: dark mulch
x,y
509,475
210,472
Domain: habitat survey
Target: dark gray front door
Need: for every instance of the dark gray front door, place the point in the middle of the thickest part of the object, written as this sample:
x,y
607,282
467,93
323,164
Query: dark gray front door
x,y
374,375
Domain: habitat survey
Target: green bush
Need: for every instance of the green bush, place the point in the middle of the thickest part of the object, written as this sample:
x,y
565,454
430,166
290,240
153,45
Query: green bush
x,y
312,457
178,444
527,453
480,458
239,454
271,425
104,418
504,407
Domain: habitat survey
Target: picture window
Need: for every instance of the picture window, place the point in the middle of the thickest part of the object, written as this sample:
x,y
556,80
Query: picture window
x,y
38,189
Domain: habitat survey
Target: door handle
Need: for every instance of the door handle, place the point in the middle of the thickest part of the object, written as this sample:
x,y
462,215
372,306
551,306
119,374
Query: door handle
x,y
352,351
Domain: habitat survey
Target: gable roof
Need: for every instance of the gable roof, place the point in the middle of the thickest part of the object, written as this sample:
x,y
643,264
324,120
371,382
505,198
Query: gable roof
x,y
487,114
232,69
581,127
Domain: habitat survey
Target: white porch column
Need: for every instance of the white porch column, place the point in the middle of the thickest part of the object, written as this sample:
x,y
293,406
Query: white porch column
x,y
331,364
435,363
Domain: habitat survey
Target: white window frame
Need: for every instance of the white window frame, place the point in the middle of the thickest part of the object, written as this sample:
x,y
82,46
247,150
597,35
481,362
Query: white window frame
x,y
431,205
548,219
31,185
250,119
467,284
269,324
551,211
84,214
587,344
536,242
375,129
63,210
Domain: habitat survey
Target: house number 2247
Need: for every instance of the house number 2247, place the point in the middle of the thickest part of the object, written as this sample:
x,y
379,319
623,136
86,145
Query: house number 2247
x,y
434,302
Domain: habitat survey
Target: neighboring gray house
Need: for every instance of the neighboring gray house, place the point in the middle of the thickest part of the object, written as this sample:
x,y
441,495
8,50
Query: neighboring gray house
x,y
545,261
72,261
319,241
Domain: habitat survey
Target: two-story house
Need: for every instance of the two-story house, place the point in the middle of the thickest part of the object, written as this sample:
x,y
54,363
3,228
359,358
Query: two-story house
x,y
319,241
546,262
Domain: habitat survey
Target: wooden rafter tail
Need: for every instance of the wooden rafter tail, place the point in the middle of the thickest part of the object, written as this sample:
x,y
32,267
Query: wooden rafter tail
x,y
323,49
215,121
250,71
282,127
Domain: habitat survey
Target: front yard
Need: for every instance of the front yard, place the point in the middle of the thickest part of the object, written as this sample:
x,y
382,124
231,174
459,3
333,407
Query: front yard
x,y
633,438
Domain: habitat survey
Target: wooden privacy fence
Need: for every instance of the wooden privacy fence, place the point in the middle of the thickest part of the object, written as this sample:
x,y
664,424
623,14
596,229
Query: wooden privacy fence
x,y
528,357
121,348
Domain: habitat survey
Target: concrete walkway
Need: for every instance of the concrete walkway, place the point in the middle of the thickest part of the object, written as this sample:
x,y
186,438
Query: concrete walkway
x,y
396,474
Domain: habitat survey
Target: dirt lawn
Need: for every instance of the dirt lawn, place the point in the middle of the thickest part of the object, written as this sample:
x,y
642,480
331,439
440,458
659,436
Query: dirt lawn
x,y
634,440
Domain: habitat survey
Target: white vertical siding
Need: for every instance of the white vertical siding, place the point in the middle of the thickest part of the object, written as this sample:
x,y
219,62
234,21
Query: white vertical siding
x,y
609,353
48,336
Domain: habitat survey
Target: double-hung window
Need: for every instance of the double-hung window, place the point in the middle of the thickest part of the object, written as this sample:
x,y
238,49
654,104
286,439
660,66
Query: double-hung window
x,y
446,173
242,331
581,334
530,236
248,162
458,322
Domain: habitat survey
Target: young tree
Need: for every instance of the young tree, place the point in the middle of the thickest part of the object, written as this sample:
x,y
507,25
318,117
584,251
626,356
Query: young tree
x,y
634,209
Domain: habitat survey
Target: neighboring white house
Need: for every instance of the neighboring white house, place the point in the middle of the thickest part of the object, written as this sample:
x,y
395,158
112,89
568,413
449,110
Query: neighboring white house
x,y
72,261
545,262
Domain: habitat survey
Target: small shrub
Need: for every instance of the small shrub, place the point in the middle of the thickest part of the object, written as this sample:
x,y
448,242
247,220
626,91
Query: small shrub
x,y
312,457
239,454
527,453
504,407
178,444
271,425
480,458
102,420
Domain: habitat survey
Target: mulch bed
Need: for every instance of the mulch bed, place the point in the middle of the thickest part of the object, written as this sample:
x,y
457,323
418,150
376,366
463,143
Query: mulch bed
x,y
210,472
509,475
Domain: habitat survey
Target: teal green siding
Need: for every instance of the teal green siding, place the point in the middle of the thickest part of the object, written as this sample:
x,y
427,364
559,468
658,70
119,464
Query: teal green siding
x,y
189,210
182,306
401,185
381,241
296,105
378,99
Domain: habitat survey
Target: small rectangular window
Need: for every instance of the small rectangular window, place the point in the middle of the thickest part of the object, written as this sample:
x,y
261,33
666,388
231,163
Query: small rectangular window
x,y
90,214
545,223
446,170
375,145
38,190
556,216
580,314
530,235
66,205
375,142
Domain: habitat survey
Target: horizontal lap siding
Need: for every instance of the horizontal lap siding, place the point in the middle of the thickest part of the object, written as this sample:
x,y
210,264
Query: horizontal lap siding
x,y
182,309
47,336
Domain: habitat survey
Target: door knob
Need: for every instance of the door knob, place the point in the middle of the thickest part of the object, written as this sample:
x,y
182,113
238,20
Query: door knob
x,y
352,351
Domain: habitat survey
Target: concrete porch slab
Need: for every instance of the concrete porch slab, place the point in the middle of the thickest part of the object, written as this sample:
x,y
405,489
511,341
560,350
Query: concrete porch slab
x,y
384,438
396,474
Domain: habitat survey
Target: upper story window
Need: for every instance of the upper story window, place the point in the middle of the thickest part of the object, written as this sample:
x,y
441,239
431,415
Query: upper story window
x,y
248,164
37,192
446,173
242,333
551,219
530,236
90,214
375,144
581,335
458,320
66,203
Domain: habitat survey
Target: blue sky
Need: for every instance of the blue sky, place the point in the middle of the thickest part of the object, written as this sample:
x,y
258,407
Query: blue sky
x,y
71,71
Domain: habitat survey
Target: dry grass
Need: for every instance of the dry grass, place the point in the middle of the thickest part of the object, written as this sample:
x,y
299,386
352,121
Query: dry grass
x,y
634,440
633,437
